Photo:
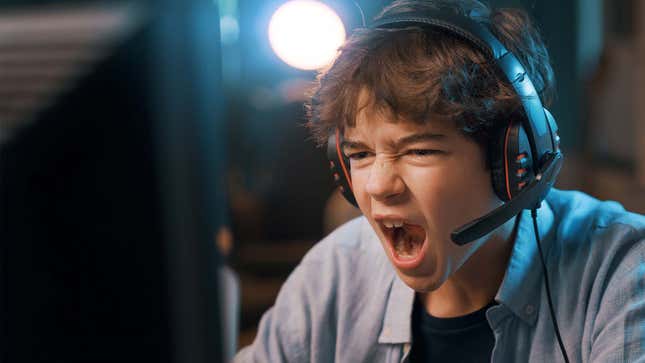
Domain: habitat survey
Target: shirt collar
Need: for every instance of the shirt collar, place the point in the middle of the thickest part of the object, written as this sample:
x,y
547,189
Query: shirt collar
x,y
398,312
398,309
519,291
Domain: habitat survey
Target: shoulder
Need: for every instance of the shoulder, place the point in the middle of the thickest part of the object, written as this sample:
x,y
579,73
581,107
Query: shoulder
x,y
595,236
577,210
587,225
340,278
351,240
345,270
597,243
600,248
345,265
350,255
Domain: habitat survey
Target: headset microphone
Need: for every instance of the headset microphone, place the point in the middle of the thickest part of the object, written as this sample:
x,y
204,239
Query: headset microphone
x,y
536,190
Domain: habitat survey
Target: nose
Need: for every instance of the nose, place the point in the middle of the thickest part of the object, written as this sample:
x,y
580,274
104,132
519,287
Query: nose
x,y
384,182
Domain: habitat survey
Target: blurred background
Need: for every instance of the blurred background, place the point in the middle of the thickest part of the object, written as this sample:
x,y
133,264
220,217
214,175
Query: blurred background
x,y
265,194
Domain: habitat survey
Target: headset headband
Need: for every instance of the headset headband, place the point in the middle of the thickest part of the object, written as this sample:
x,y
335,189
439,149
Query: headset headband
x,y
541,128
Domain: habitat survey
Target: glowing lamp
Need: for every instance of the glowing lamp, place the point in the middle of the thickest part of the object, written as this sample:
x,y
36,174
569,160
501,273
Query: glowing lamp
x,y
306,34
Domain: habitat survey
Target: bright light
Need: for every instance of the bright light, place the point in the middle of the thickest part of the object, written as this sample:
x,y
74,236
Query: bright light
x,y
306,34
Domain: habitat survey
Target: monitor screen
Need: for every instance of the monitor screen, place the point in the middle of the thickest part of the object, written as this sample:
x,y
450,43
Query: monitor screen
x,y
110,196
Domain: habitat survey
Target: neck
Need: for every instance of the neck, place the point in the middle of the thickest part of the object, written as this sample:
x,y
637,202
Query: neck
x,y
476,282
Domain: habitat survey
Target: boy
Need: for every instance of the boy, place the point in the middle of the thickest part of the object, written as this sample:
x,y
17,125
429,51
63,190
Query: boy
x,y
424,117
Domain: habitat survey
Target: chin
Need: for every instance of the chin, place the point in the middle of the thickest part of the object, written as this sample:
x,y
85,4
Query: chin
x,y
421,284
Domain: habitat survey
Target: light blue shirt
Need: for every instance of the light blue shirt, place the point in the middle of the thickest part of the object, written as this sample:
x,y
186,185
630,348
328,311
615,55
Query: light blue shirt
x,y
345,303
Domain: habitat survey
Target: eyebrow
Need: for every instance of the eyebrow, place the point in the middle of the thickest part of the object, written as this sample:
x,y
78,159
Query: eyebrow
x,y
406,140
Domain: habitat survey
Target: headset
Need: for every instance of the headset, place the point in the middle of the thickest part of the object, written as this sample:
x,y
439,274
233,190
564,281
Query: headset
x,y
525,156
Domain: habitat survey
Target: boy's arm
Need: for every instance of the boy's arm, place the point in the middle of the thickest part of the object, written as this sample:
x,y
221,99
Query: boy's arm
x,y
283,332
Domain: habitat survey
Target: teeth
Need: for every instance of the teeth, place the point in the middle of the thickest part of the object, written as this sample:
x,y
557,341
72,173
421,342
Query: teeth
x,y
392,224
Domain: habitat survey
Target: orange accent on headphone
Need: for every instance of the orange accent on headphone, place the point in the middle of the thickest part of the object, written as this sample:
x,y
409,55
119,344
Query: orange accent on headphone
x,y
342,161
508,186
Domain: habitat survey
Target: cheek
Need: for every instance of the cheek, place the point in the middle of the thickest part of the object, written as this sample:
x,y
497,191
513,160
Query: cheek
x,y
359,180
439,192
478,195
451,197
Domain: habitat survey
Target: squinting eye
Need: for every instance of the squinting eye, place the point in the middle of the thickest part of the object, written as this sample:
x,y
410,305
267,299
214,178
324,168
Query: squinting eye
x,y
358,155
422,152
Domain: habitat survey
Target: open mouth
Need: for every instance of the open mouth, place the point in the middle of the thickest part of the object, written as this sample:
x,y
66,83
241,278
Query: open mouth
x,y
405,241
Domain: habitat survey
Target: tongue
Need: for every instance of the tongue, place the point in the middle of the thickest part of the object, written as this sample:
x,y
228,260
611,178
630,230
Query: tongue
x,y
408,241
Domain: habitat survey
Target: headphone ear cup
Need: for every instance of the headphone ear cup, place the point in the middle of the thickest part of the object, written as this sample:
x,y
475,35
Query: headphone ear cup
x,y
340,168
496,158
511,162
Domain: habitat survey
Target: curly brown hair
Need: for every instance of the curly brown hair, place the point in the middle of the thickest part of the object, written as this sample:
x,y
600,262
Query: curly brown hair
x,y
419,73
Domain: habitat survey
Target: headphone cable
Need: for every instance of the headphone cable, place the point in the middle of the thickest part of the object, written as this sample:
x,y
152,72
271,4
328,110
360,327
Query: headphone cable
x,y
548,289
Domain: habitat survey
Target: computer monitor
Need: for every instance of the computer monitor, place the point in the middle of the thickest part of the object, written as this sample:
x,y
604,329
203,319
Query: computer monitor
x,y
110,181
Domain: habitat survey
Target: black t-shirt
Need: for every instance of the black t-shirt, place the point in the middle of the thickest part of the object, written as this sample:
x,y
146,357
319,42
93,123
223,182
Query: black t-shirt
x,y
466,338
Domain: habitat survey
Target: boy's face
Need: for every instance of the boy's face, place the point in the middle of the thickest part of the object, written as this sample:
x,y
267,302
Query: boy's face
x,y
416,184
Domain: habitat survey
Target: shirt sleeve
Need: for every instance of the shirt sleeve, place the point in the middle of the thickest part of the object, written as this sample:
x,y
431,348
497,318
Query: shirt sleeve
x,y
303,324
619,328
283,331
